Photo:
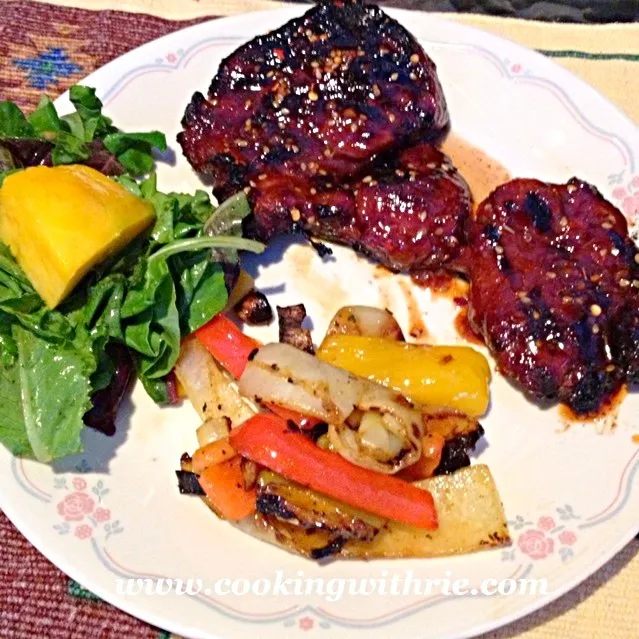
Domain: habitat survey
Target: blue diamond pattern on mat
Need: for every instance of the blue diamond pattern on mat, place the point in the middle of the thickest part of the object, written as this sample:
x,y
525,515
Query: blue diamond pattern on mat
x,y
45,69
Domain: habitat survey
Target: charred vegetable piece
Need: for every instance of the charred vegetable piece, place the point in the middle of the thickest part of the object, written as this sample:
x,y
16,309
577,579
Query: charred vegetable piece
x,y
448,423
250,471
254,308
242,285
188,483
230,347
303,422
455,452
313,544
268,441
214,453
291,332
470,513
425,466
365,320
211,390
212,430
224,487
295,504
453,376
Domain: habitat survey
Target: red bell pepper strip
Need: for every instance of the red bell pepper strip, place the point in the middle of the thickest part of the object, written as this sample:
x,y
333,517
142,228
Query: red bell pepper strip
x,y
224,486
226,342
425,466
304,422
267,440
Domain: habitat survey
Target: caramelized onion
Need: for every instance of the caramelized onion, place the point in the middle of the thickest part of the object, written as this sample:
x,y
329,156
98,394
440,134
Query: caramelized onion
x,y
370,425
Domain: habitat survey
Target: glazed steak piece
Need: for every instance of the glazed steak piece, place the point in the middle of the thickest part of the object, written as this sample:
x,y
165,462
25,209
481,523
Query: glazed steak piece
x,y
408,212
555,290
320,96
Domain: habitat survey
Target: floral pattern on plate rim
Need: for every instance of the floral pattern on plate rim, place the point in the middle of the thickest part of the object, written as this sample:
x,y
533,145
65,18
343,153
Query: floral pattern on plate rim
x,y
81,506
544,538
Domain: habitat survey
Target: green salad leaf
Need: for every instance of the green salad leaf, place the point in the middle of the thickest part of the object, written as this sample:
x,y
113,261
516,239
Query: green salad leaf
x,y
13,123
89,109
164,286
45,118
54,389
13,433
134,150
85,136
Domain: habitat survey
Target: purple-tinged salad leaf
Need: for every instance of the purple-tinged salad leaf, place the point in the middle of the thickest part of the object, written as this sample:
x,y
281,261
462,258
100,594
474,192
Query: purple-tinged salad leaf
x,y
85,136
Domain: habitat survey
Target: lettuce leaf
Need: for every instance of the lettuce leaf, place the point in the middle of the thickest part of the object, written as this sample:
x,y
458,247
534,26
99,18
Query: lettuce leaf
x,y
13,433
134,150
54,391
45,118
13,123
85,136
164,286
89,109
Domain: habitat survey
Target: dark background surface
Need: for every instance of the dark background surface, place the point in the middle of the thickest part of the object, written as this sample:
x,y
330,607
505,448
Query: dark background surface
x,y
586,11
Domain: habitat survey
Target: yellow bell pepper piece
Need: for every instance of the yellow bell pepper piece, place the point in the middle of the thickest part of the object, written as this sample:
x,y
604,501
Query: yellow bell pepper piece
x,y
453,376
245,283
59,222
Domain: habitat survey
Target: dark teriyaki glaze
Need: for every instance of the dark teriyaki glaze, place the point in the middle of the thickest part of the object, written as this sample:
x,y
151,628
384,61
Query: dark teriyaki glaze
x,y
482,172
407,213
327,124
555,291
465,329
321,95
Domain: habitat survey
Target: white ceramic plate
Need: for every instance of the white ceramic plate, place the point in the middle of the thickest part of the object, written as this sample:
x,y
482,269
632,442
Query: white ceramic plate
x,y
570,495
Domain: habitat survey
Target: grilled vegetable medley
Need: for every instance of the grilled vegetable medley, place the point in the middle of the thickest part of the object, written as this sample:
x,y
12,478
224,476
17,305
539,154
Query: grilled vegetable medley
x,y
360,451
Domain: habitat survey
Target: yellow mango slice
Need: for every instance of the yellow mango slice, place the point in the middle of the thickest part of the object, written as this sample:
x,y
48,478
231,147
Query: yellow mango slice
x,y
453,376
59,222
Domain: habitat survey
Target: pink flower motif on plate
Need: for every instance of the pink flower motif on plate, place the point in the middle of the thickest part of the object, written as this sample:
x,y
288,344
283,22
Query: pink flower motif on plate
x,y
627,198
79,483
75,506
567,537
516,68
102,514
171,58
535,544
306,623
83,532
630,205
546,523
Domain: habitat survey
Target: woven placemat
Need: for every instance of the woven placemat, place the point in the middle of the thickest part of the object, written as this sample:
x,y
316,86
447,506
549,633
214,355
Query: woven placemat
x,y
48,48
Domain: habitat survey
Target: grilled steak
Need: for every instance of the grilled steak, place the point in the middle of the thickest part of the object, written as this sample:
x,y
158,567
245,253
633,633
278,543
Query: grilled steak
x,y
313,120
408,212
555,292
324,93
